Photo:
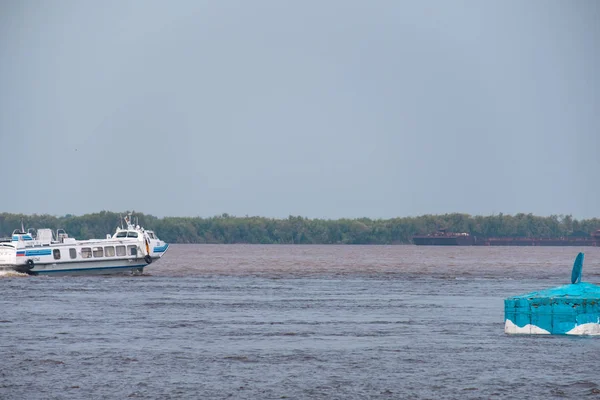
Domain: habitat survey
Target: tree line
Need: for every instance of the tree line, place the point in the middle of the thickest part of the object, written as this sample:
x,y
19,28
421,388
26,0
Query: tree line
x,y
299,230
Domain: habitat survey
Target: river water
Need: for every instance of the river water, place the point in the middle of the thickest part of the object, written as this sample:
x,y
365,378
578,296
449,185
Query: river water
x,y
296,322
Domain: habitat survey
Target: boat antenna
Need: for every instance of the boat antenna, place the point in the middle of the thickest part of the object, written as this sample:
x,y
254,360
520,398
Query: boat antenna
x,y
22,226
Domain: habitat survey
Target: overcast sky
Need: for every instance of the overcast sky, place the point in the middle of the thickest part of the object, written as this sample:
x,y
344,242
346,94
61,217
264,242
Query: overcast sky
x,y
318,108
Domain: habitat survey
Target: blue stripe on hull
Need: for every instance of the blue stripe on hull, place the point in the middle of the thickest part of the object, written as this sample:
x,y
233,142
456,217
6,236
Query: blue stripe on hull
x,y
37,253
95,269
160,249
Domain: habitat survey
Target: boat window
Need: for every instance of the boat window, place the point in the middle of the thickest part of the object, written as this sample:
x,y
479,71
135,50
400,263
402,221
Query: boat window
x,y
132,234
56,253
86,252
98,252
151,234
73,253
132,250
109,251
121,251
122,234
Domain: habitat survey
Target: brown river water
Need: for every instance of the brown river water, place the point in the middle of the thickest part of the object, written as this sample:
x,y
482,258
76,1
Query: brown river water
x,y
296,322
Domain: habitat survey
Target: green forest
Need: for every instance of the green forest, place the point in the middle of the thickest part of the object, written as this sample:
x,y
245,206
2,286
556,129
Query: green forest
x,y
299,230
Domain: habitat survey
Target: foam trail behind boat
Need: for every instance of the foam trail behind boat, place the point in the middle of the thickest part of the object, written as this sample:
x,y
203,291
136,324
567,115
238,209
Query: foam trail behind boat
x,y
12,274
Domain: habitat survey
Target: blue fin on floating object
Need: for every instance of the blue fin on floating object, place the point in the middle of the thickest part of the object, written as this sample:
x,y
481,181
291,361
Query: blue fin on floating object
x,y
577,267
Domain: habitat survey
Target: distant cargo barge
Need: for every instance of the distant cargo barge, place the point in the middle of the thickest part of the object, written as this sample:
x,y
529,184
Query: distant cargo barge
x,y
443,238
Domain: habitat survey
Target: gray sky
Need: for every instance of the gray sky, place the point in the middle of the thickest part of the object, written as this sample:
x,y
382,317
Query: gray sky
x,y
324,109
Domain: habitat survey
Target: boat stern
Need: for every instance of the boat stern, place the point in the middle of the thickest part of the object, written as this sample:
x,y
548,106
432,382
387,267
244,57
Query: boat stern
x,y
11,259
8,255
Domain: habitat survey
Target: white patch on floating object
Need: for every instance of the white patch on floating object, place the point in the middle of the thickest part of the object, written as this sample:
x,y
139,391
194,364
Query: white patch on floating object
x,y
510,327
591,328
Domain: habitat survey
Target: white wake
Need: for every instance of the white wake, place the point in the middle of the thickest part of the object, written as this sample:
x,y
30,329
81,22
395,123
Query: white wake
x,y
12,274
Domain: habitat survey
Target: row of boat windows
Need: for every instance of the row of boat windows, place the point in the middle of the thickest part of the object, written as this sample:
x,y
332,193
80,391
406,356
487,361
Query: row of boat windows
x,y
106,251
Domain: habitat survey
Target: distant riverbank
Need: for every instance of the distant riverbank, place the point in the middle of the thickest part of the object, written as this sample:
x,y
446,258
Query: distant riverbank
x,y
299,230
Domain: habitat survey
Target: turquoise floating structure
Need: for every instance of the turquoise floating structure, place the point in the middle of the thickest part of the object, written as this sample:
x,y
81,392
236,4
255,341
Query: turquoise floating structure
x,y
566,310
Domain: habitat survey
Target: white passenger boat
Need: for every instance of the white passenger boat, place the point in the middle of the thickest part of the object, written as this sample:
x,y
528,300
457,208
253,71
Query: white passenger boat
x,y
128,250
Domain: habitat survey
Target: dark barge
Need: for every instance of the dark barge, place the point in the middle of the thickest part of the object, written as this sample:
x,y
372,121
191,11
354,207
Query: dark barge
x,y
444,238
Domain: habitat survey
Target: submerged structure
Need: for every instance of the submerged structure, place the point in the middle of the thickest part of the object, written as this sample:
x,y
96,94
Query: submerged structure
x,y
566,310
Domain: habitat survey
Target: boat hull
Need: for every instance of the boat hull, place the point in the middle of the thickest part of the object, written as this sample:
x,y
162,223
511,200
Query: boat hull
x,y
82,268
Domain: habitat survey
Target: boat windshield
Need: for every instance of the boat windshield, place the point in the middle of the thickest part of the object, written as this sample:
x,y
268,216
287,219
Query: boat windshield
x,y
123,234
